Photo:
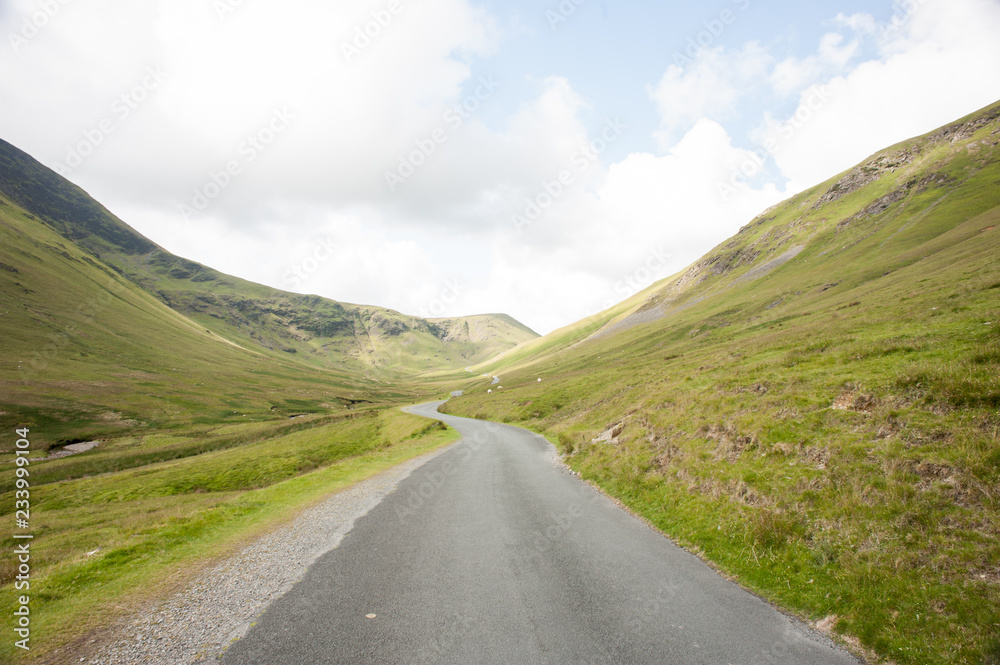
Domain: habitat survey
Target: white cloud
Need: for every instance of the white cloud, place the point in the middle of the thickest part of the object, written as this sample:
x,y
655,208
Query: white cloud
x,y
792,74
478,176
225,76
642,219
938,63
861,22
709,87
934,61
345,256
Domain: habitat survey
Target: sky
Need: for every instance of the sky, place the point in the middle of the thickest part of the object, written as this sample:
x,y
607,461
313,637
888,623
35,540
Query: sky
x,y
542,159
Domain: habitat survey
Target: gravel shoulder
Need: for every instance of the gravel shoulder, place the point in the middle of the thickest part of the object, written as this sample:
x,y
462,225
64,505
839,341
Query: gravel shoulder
x,y
198,623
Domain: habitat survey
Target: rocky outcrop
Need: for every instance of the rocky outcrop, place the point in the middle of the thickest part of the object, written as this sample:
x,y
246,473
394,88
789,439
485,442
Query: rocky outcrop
x,y
864,175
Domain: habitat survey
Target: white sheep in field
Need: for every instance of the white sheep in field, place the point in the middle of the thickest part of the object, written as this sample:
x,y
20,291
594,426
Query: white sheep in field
x,y
489,392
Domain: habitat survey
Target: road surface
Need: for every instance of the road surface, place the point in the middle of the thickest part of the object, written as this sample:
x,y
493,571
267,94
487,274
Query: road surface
x,y
492,553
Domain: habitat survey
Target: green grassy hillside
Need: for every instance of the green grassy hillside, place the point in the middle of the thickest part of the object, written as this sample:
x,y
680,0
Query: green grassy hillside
x,y
322,333
87,354
815,405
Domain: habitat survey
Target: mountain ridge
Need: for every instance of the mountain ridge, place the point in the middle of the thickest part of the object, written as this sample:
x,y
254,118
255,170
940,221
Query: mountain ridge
x,y
882,163
768,242
328,332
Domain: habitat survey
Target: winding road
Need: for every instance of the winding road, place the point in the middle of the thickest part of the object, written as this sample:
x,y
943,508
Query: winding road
x,y
494,553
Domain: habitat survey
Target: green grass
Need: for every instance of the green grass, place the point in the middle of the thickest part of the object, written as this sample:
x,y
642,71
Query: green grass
x,y
154,527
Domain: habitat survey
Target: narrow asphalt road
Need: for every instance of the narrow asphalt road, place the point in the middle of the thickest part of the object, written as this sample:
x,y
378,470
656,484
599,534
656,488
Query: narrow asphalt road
x,y
491,553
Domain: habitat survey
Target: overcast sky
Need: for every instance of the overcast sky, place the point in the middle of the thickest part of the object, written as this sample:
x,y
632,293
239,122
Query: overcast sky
x,y
447,157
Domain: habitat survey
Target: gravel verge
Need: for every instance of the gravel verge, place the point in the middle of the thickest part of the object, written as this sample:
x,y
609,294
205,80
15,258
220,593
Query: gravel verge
x,y
197,624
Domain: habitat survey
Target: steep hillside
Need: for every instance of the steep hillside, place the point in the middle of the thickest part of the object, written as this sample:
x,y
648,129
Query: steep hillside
x,y
89,354
814,404
900,195
321,332
888,194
